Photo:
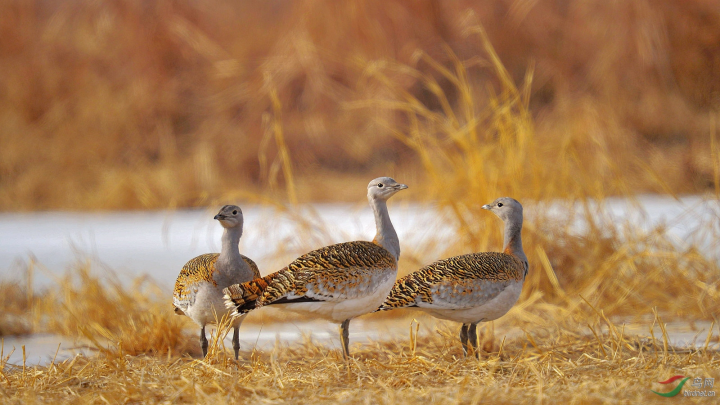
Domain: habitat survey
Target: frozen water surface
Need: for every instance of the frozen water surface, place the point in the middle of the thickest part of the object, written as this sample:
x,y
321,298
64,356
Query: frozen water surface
x,y
158,243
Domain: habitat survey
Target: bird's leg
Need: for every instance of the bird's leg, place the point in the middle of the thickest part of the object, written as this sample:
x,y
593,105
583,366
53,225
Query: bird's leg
x,y
345,337
203,341
464,338
236,341
472,331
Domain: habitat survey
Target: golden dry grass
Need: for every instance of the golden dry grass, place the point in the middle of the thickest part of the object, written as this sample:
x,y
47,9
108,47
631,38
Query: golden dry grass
x,y
562,367
568,351
122,105
15,307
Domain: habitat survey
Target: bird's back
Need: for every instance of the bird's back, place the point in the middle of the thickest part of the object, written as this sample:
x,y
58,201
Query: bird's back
x,y
332,272
359,254
349,270
463,281
252,265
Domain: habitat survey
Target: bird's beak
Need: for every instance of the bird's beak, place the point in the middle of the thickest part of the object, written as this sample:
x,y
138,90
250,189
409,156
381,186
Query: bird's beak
x,y
401,186
486,207
219,216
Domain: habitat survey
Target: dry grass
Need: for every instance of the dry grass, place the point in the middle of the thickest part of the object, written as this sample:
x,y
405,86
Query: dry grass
x,y
566,352
559,366
134,317
121,105
15,305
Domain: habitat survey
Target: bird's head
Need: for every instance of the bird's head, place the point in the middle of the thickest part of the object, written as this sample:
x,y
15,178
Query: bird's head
x,y
383,188
506,208
230,216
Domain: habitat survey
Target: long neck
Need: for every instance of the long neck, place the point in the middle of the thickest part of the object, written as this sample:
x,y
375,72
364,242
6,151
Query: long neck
x,y
230,253
513,239
385,236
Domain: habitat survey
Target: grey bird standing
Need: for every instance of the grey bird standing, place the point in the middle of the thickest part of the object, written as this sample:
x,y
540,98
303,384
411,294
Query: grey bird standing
x,y
472,288
198,289
337,282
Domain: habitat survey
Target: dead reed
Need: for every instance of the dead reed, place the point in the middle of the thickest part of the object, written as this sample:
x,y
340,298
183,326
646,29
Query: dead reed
x,y
583,358
177,104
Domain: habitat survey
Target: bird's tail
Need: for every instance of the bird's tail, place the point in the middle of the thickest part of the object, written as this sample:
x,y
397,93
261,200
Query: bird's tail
x,y
243,298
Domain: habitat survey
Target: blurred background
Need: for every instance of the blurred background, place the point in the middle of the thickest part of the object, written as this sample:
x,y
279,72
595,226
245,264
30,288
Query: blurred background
x,y
164,104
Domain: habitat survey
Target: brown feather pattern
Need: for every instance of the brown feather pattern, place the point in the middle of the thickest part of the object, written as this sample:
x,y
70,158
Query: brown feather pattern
x,y
490,266
202,268
330,266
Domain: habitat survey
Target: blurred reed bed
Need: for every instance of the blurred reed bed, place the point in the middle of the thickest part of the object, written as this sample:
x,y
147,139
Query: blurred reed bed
x,y
174,103
16,309
99,310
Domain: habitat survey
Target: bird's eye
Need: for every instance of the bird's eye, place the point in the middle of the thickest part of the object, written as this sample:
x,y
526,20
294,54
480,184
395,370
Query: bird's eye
x,y
380,185
234,212
499,204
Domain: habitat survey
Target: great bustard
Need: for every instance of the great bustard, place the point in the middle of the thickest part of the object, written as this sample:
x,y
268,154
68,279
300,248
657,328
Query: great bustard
x,y
337,282
472,288
198,289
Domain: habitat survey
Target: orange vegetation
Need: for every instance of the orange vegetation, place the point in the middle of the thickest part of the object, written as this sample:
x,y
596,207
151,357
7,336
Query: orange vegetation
x,y
129,104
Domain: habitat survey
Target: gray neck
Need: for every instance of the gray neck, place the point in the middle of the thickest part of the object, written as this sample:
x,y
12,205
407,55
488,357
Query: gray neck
x,y
230,253
513,239
385,236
